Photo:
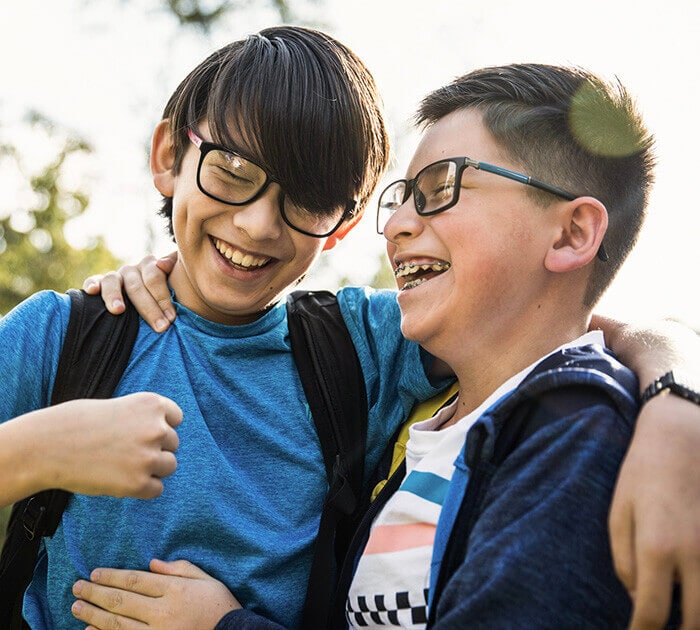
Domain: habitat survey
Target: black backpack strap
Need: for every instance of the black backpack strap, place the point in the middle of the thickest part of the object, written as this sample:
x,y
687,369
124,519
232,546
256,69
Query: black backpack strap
x,y
95,353
333,382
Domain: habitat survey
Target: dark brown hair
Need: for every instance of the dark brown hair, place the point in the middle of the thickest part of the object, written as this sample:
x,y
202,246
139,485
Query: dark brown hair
x,y
306,107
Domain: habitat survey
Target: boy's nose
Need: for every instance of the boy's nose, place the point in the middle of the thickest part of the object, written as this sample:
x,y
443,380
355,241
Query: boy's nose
x,y
261,219
404,223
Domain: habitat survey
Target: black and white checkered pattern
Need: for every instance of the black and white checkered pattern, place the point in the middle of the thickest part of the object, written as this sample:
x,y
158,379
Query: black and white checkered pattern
x,y
378,611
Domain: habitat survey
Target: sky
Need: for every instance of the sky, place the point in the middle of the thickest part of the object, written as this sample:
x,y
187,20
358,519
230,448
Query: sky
x,y
104,69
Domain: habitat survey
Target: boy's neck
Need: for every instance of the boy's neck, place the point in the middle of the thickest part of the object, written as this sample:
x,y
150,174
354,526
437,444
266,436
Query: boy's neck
x,y
188,297
488,358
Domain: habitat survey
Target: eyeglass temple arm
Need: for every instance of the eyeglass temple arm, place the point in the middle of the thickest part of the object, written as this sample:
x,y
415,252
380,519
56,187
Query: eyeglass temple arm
x,y
536,183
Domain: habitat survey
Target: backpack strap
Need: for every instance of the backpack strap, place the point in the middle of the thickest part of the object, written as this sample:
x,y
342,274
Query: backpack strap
x,y
334,386
95,353
385,481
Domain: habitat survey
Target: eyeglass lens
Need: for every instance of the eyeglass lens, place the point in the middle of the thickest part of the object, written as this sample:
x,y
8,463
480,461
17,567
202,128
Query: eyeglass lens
x,y
234,179
433,188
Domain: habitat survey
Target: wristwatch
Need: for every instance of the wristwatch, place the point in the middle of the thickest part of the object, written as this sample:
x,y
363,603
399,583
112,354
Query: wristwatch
x,y
669,381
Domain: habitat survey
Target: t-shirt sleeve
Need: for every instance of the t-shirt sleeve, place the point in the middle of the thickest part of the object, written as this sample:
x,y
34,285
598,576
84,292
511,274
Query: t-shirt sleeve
x,y
390,361
395,369
31,337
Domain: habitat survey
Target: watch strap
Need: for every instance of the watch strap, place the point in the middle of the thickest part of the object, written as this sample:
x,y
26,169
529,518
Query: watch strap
x,y
668,381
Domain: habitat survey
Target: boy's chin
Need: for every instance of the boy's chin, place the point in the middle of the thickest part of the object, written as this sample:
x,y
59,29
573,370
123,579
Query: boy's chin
x,y
412,327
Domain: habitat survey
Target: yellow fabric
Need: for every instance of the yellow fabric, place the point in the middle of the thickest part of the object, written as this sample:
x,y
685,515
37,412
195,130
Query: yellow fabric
x,y
422,411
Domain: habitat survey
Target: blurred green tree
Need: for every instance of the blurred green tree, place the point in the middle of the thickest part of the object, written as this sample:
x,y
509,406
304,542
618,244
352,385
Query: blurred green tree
x,y
205,14
34,252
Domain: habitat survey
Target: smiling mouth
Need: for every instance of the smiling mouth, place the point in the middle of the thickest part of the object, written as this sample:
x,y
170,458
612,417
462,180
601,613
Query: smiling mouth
x,y
410,274
237,258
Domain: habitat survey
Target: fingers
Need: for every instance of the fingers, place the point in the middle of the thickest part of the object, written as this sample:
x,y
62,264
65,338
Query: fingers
x,y
622,531
100,619
170,441
155,276
92,284
114,599
151,488
652,597
147,288
173,413
111,290
165,465
181,568
166,263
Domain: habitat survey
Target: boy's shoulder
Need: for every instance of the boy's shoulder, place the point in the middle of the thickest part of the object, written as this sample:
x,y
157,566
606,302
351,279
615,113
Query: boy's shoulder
x,y
369,303
366,294
43,309
574,378
587,364
42,300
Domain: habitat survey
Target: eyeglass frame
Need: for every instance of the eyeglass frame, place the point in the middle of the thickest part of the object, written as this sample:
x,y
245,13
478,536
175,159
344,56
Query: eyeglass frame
x,y
206,147
462,163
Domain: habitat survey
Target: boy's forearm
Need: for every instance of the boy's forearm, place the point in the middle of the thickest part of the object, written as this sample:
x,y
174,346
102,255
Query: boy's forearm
x,y
246,620
21,471
119,447
651,351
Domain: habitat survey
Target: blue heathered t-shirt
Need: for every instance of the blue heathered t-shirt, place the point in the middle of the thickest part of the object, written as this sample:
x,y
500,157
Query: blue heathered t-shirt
x,y
245,500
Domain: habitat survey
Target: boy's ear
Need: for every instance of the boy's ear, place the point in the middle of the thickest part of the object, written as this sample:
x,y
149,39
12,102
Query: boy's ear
x,y
163,159
341,232
580,231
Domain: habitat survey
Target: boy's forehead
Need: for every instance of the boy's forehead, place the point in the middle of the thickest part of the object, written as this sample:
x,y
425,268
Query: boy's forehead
x,y
461,133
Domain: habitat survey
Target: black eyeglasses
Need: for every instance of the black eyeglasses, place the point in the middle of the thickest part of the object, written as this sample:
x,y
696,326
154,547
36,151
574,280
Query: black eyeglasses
x,y
436,188
230,178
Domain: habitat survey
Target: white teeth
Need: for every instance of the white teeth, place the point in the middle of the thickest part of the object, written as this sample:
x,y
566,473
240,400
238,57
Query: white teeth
x,y
237,257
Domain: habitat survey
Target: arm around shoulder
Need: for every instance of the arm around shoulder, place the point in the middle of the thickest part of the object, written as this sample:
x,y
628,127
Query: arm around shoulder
x,y
655,515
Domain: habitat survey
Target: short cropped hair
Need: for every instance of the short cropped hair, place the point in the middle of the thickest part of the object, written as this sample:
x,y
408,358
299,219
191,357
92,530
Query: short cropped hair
x,y
570,128
306,107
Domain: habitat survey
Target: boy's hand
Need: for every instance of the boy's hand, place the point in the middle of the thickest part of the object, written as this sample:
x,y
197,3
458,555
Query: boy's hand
x,y
146,284
655,515
176,595
121,447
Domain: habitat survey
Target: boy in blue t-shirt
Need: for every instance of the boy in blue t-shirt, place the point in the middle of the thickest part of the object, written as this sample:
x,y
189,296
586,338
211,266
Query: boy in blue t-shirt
x,y
267,154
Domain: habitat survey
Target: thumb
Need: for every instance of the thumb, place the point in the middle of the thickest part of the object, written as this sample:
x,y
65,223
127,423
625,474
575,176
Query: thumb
x,y
166,263
179,568
622,529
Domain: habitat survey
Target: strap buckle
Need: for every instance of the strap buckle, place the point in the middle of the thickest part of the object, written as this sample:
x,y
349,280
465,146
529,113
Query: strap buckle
x,y
32,518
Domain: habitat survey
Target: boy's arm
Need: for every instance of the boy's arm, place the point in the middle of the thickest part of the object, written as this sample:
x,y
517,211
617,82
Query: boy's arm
x,y
655,515
75,446
174,595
